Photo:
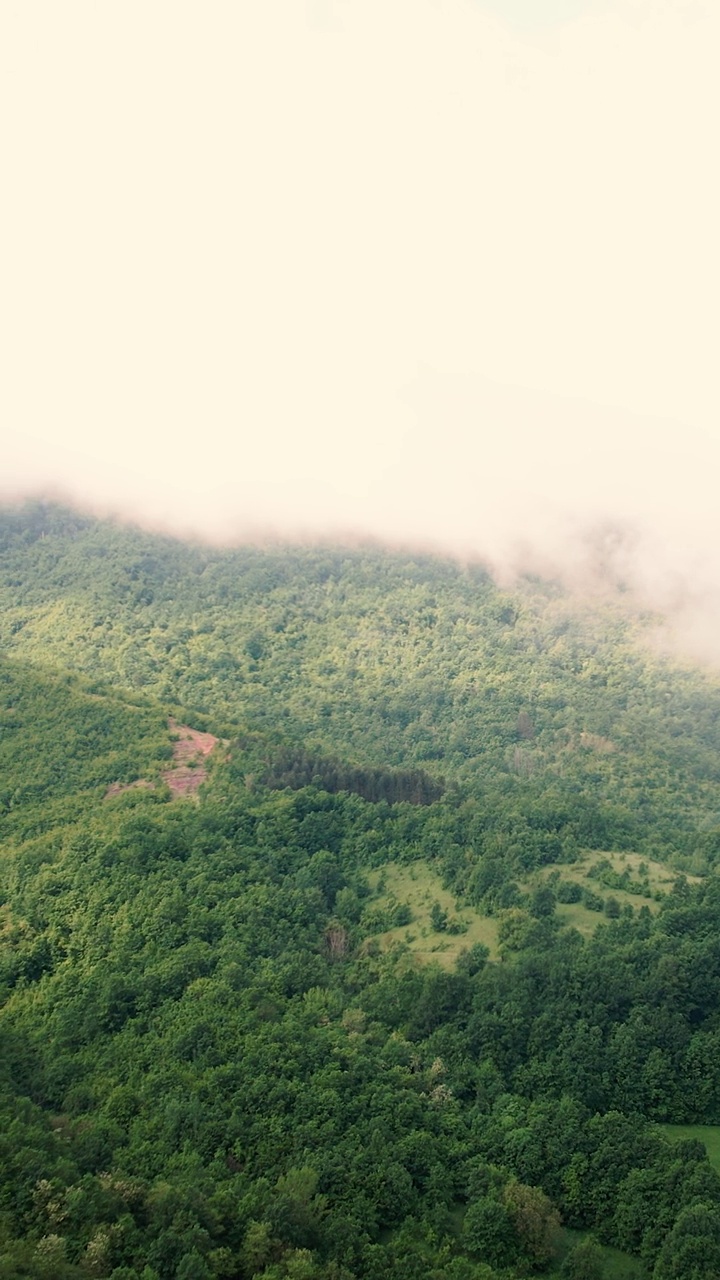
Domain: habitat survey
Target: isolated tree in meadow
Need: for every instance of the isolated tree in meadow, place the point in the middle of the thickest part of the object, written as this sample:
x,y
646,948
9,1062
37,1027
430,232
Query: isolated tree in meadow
x,y
536,1220
438,917
542,903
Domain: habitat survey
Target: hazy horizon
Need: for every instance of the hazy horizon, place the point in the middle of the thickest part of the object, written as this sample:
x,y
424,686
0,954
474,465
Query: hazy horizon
x,y
434,272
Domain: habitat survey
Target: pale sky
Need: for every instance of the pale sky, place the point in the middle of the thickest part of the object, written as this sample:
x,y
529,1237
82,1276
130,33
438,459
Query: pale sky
x,y
438,270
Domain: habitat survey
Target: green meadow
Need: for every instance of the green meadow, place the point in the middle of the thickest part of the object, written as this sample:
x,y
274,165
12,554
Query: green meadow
x,y
416,886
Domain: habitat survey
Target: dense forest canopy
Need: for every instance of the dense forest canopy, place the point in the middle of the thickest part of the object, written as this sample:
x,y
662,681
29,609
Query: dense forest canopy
x,y
419,980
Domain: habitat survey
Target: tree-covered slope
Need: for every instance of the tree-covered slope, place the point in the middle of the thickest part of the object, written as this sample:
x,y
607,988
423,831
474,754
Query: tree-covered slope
x,y
207,1072
211,1066
380,659
63,744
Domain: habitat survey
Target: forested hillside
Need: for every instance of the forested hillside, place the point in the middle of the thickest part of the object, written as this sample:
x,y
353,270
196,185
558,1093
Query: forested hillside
x,y
421,978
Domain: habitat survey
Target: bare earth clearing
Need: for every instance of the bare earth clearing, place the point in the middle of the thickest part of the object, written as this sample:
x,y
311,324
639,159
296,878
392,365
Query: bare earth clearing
x,y
190,749
188,770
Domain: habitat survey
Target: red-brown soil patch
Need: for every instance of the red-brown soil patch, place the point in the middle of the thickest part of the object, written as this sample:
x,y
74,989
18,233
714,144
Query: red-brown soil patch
x,y
188,771
190,749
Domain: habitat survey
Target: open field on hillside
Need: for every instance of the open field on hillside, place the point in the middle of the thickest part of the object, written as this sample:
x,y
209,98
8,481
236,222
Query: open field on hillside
x,y
656,878
604,874
417,887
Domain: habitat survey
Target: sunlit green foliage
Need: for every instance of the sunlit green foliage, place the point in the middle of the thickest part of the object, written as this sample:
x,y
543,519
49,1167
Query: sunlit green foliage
x,y
382,660
59,738
213,1064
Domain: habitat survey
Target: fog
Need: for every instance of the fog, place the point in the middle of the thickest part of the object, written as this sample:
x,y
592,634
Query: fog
x,y
432,271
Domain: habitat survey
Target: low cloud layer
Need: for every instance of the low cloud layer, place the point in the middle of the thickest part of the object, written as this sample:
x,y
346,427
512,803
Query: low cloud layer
x,y
428,270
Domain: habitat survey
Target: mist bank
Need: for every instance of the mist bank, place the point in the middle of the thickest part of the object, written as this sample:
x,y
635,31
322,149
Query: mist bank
x,y
644,568
470,310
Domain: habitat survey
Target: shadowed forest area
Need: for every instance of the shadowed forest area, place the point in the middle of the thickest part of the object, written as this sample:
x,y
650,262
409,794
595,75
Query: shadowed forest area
x,y
421,980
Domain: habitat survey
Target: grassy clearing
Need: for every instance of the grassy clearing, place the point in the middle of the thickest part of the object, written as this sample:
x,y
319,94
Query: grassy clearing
x,y
575,916
616,1264
418,887
659,875
707,1133
656,876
